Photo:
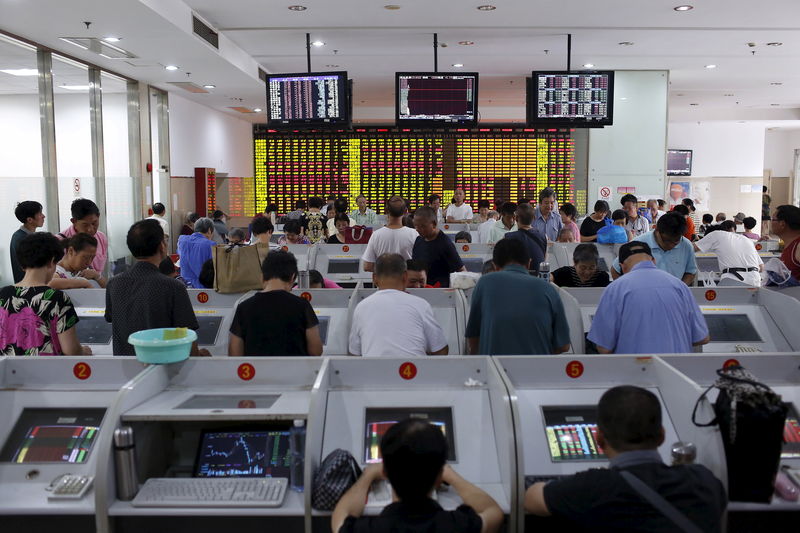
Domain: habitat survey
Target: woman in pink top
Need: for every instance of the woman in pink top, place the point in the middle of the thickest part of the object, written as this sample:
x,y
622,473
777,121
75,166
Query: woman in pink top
x,y
569,215
316,281
86,219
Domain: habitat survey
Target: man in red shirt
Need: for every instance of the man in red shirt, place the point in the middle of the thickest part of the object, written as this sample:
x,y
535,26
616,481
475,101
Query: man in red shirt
x,y
785,223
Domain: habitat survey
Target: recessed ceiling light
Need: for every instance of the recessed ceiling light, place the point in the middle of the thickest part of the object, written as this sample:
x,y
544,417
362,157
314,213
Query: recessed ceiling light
x,y
171,67
711,66
112,39
21,71
694,104
683,8
297,8
331,66
466,43
486,8
680,94
209,86
776,83
76,87
775,44
317,43
392,7
728,94
458,65
257,110
625,43
774,105
588,65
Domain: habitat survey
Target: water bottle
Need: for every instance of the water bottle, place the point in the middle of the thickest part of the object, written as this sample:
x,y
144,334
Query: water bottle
x,y
683,453
302,279
544,270
125,464
297,447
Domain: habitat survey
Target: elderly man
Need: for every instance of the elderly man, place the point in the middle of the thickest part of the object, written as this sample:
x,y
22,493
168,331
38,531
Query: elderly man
x,y
392,322
634,223
364,216
647,310
435,249
546,219
195,249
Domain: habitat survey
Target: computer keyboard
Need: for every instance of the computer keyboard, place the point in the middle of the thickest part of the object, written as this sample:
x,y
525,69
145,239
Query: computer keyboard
x,y
203,492
746,348
530,480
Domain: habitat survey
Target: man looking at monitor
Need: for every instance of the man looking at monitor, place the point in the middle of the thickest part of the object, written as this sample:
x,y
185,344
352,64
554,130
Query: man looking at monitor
x,y
392,322
415,462
634,223
629,431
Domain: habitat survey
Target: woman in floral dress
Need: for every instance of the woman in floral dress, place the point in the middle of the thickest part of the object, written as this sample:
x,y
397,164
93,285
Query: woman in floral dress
x,y
34,318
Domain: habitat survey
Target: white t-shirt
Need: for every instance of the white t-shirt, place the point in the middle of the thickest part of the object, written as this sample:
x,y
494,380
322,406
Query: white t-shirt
x,y
395,323
733,251
462,212
390,241
162,221
485,230
63,273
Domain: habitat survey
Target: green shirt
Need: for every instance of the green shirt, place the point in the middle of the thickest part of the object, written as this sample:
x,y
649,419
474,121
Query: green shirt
x,y
369,218
515,313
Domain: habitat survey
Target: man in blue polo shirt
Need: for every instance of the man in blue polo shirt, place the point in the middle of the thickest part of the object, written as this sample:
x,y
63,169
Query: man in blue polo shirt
x,y
546,219
647,310
537,325
672,251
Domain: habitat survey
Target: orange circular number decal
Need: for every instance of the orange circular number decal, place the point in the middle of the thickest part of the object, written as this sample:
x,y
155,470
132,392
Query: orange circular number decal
x,y
306,296
758,247
711,295
284,248
82,370
447,226
574,369
345,249
202,297
730,362
246,371
465,247
408,371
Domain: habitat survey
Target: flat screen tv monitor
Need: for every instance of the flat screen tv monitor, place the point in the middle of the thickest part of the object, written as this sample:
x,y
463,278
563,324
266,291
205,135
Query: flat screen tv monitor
x,y
53,435
731,328
436,99
93,330
679,162
791,435
572,433
261,452
473,264
313,99
377,422
577,99
209,328
343,266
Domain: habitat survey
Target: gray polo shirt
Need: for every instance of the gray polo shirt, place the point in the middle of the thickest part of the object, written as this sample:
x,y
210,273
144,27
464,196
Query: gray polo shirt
x,y
515,313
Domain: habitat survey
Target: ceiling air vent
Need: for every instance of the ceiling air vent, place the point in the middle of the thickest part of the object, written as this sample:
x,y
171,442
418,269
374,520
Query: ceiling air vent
x,y
205,32
188,86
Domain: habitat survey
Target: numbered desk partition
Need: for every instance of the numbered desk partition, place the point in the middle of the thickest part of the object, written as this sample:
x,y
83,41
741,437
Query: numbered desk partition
x,y
450,309
359,399
56,419
202,409
555,411
214,312
92,328
342,263
332,309
474,255
561,255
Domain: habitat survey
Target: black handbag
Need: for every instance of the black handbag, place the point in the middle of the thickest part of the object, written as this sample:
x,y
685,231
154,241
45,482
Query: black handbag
x,y
751,417
337,473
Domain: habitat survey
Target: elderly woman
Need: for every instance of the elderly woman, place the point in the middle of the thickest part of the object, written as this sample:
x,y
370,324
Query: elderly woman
x,y
195,249
594,222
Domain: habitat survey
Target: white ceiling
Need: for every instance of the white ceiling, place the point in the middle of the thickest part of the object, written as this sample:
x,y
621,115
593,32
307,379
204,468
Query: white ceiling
x,y
372,43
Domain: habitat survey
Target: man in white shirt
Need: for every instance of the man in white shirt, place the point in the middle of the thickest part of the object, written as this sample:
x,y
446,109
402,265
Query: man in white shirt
x,y
737,255
485,229
393,238
634,223
158,215
655,212
392,322
507,223
458,212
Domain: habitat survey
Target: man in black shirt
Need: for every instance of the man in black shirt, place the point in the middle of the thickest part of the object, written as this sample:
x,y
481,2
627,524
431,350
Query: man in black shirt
x,y
629,431
275,322
143,297
414,455
534,240
435,249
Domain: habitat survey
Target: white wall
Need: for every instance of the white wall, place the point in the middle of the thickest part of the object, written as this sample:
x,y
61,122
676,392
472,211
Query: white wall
x,y
203,137
721,148
779,147
20,136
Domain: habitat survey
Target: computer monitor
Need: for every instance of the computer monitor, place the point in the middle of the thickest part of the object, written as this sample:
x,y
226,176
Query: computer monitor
x,y
572,433
93,330
261,452
707,264
731,328
473,264
324,322
343,266
313,99
378,420
436,99
679,162
791,435
53,435
577,99
209,326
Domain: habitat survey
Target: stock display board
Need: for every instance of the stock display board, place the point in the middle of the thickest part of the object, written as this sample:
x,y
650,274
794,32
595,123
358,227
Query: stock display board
x,y
488,164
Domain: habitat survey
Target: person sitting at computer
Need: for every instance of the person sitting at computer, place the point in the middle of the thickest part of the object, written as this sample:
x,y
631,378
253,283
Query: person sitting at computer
x,y
616,233
391,322
195,249
142,297
275,322
340,222
566,235
584,272
463,237
507,222
435,249
415,463
458,212
629,431
737,255
36,319
317,281
417,275
293,234
74,271
647,310
261,232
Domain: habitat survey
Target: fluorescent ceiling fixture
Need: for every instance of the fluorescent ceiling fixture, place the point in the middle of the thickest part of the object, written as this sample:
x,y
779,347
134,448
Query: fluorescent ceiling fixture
x,y
458,65
76,87
486,8
209,86
711,67
317,43
257,110
21,71
171,67
297,8
588,65
466,43
112,39
101,47
683,8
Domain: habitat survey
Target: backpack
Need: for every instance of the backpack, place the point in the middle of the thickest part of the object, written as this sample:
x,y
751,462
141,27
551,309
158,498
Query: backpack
x,y
751,418
337,473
